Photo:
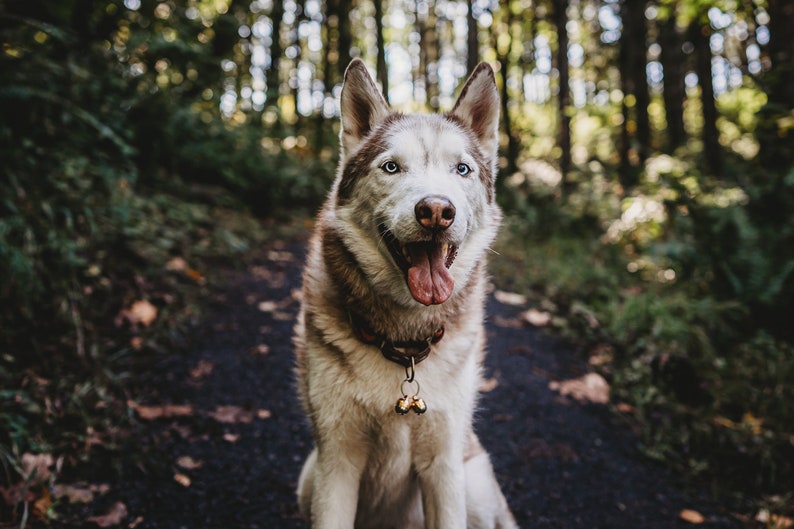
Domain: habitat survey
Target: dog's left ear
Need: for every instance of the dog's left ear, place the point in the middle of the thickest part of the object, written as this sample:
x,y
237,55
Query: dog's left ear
x,y
478,108
362,106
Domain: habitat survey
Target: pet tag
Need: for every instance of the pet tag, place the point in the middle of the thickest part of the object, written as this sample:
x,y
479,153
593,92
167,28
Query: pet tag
x,y
405,403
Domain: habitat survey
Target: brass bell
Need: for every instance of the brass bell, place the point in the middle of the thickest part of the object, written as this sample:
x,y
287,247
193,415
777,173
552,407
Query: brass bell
x,y
418,405
402,406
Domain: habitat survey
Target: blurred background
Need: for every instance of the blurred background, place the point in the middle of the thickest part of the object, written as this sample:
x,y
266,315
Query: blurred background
x,y
646,169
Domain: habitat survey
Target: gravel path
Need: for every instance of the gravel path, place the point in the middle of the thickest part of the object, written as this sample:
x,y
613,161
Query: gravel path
x,y
230,456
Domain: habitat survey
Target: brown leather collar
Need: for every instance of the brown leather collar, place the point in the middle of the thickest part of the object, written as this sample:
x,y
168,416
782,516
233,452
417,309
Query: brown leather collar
x,y
400,352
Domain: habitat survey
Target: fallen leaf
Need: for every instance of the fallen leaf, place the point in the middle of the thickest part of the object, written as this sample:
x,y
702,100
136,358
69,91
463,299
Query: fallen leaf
x,y
202,369
112,517
260,349
624,407
275,255
510,323
149,413
509,298
538,318
42,504
182,480
80,493
231,437
231,415
691,516
136,342
267,306
196,276
591,387
263,414
142,312
489,384
188,463
177,264
36,467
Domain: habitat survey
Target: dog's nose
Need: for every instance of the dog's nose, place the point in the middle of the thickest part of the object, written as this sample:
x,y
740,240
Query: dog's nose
x,y
435,212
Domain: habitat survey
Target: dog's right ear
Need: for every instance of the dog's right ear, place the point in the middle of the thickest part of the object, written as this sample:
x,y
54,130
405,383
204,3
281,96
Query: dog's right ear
x,y
362,106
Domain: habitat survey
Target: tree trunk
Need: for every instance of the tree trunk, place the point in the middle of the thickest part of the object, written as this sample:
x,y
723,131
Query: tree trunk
x,y
431,45
345,36
636,129
700,31
276,52
503,55
564,97
640,81
420,78
330,31
672,59
473,40
382,68
776,142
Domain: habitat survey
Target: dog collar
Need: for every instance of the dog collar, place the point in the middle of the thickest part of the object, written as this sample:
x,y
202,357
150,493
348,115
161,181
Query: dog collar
x,y
405,353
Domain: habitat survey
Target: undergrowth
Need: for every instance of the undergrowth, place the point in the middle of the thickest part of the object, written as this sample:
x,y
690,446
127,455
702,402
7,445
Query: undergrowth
x,y
672,300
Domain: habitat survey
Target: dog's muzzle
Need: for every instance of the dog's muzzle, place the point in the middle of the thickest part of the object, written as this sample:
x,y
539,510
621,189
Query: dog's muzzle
x,y
425,263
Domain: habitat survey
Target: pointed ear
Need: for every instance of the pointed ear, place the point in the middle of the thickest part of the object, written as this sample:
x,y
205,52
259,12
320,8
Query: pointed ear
x,y
478,108
362,106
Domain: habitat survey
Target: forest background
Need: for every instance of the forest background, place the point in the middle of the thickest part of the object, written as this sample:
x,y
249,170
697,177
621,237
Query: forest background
x,y
647,171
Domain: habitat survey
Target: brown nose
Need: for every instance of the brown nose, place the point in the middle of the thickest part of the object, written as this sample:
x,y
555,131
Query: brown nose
x,y
435,212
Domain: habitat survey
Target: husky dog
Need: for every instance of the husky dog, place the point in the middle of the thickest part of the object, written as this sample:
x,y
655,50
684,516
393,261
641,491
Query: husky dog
x,y
392,311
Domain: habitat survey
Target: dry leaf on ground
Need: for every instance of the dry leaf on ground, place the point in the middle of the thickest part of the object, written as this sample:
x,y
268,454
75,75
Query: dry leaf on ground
x,y
113,517
489,384
267,306
142,312
202,369
231,415
188,463
231,437
76,493
591,387
182,480
149,413
261,349
37,466
691,516
509,298
538,318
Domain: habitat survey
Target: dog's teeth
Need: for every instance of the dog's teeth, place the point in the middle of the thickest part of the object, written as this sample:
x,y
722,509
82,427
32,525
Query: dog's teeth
x,y
445,249
406,254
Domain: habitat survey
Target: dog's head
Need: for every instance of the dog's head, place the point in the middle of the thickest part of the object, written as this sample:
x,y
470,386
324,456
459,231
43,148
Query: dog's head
x,y
414,194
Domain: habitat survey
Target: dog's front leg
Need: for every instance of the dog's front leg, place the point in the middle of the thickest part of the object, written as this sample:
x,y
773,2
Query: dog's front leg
x,y
337,474
439,464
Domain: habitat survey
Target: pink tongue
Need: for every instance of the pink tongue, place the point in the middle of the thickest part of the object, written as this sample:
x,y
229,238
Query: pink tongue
x,y
429,280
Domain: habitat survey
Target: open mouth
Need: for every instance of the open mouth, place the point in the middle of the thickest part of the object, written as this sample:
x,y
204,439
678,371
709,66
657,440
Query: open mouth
x,y
425,265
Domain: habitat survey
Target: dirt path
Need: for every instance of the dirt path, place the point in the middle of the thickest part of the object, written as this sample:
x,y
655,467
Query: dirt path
x,y
231,454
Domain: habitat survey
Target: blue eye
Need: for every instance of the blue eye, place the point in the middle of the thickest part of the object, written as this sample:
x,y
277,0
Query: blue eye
x,y
390,167
463,169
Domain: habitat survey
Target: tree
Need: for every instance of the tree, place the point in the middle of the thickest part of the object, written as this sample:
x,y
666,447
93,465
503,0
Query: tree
x,y
564,97
276,52
382,68
472,39
635,129
699,34
672,59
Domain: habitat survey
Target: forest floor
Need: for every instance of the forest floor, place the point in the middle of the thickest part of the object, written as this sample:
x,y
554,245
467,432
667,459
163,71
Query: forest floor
x,y
224,438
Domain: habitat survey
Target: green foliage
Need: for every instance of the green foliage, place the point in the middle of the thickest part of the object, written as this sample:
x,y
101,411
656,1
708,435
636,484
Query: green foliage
x,y
683,292
121,183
